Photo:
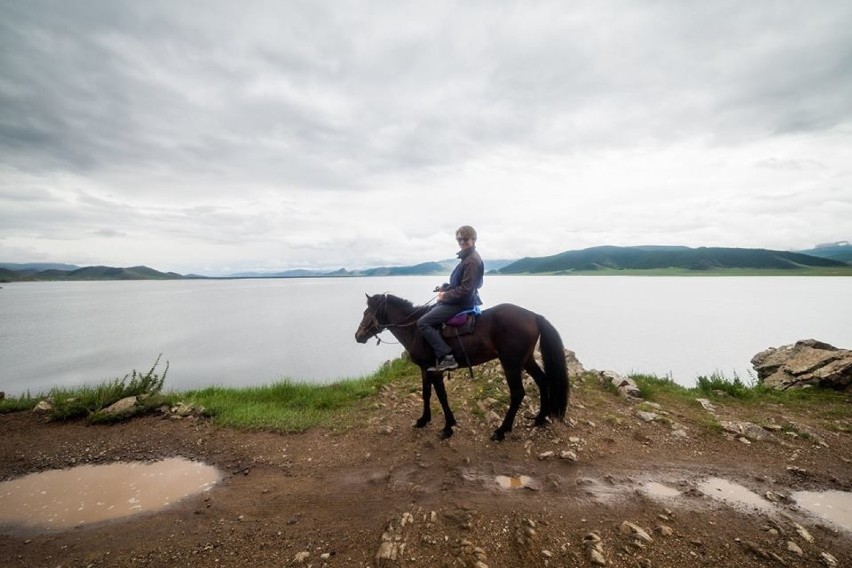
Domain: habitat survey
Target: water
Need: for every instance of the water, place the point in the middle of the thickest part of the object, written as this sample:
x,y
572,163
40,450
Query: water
x,y
252,332
68,498
832,506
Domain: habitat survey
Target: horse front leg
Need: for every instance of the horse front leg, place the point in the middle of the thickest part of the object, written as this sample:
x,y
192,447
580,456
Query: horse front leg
x,y
426,417
516,396
449,419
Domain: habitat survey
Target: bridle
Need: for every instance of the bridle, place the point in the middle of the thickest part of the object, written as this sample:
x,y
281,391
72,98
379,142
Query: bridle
x,y
382,308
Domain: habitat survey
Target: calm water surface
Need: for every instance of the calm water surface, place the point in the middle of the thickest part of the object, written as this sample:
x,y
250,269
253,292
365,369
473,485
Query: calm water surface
x,y
250,332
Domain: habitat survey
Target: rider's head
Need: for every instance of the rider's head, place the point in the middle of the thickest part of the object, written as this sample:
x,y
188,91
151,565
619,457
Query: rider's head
x,y
466,233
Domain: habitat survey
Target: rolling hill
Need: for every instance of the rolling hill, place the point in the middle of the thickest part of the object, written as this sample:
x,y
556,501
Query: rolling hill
x,y
665,257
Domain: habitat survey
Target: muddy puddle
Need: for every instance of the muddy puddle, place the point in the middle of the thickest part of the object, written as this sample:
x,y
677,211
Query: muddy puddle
x,y
88,494
832,506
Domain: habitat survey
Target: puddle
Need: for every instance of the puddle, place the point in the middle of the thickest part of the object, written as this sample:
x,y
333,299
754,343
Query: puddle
x,y
660,491
735,495
832,506
67,498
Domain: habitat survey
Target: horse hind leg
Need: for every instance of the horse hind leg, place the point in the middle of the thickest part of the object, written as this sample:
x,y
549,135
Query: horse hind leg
x,y
516,397
540,379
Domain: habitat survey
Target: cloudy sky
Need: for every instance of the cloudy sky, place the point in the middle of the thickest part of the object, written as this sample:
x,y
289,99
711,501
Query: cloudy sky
x,y
215,137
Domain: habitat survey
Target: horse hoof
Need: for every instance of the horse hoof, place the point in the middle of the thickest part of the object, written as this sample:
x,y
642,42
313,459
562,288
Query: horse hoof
x,y
445,434
498,436
538,422
421,422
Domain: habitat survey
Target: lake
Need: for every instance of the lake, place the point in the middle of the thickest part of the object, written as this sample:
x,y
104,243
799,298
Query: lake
x,y
253,332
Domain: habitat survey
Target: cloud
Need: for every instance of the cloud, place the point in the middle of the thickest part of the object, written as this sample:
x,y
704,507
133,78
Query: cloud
x,y
290,134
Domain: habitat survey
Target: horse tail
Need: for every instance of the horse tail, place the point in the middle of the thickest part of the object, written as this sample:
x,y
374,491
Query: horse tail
x,y
555,369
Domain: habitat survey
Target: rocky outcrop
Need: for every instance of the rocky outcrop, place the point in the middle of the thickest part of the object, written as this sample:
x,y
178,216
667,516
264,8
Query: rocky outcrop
x,y
806,363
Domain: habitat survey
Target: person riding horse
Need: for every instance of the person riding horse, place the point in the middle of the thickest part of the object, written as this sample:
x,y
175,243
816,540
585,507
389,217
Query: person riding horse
x,y
461,293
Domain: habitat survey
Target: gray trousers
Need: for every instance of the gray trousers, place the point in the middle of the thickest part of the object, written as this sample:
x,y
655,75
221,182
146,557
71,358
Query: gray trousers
x,y
429,324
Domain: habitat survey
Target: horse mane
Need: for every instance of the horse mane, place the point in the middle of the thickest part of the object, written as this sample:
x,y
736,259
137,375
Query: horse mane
x,y
405,305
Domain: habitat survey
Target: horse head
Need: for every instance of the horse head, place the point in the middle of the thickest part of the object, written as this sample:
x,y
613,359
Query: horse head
x,y
370,325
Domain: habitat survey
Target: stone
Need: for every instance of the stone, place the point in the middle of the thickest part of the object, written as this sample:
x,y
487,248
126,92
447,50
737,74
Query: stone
x,y
125,405
803,532
706,404
301,557
626,387
828,559
635,530
43,406
568,455
573,365
596,558
647,416
794,548
805,363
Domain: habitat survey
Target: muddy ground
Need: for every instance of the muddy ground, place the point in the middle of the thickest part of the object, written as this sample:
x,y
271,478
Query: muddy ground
x,y
342,497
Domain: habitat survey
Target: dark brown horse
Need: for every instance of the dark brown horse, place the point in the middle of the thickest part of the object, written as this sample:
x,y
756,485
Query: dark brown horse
x,y
506,332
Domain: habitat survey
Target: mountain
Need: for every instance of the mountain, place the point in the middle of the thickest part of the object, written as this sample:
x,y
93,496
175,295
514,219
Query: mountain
x,y
841,251
88,273
661,257
37,266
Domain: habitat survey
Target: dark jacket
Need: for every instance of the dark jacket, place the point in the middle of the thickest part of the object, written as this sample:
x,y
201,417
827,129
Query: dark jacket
x,y
466,280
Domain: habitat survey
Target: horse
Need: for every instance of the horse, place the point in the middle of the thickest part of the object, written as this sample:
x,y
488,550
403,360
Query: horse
x,y
506,332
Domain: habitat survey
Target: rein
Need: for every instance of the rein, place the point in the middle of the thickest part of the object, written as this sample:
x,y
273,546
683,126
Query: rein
x,y
403,323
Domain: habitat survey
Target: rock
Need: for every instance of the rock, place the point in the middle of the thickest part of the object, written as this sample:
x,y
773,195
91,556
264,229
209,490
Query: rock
x,y
575,368
43,406
803,532
828,559
706,404
626,387
647,416
664,530
806,363
794,548
546,455
568,455
597,558
745,429
123,406
301,557
635,530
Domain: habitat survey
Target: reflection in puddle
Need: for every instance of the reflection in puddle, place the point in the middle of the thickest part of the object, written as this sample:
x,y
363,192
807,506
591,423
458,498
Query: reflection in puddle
x,y
833,506
735,495
61,499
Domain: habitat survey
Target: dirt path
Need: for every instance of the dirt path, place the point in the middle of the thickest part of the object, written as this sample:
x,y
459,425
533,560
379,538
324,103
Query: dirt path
x,y
341,498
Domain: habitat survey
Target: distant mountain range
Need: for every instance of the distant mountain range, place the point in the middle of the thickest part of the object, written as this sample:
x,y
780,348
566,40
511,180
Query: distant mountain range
x,y
669,257
37,272
841,251
595,259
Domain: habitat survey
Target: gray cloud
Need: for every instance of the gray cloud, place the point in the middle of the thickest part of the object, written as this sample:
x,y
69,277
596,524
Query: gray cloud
x,y
292,126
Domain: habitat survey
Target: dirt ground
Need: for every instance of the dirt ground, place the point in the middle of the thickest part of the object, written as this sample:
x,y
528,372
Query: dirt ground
x,y
386,494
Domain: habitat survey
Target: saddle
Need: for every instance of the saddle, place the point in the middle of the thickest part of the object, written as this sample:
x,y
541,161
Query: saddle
x,y
462,323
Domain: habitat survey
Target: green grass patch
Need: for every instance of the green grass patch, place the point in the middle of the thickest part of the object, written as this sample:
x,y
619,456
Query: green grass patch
x,y
89,401
294,407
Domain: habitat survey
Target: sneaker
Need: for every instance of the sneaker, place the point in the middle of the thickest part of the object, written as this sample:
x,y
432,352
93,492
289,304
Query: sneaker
x,y
446,364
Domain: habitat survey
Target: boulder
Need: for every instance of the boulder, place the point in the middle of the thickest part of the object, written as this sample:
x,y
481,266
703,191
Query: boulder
x,y
625,386
806,363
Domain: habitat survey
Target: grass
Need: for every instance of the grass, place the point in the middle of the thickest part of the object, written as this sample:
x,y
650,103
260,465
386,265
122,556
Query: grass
x,y
830,407
293,407
88,401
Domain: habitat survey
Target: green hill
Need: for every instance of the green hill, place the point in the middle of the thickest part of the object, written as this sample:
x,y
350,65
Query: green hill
x,y
88,273
668,257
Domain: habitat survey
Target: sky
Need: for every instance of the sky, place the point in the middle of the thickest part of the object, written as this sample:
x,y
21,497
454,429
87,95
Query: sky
x,y
218,137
